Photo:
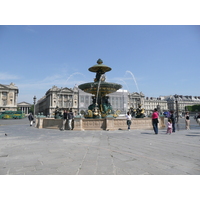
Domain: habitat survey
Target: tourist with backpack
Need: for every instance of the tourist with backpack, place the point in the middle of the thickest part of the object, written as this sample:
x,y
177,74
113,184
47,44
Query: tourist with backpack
x,y
187,121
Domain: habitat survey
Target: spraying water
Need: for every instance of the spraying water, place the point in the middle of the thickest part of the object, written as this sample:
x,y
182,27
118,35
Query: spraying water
x,y
134,80
73,75
101,78
125,84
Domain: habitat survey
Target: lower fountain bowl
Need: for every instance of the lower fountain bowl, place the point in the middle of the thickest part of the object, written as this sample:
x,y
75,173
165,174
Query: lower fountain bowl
x,y
104,88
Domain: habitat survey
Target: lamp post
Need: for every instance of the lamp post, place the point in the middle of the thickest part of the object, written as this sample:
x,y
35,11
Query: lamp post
x,y
158,108
177,116
34,101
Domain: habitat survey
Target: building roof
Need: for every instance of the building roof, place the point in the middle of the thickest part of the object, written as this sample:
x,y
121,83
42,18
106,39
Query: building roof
x,y
23,103
7,87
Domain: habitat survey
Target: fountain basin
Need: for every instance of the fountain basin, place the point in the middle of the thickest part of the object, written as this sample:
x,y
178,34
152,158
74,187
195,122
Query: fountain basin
x,y
81,124
105,88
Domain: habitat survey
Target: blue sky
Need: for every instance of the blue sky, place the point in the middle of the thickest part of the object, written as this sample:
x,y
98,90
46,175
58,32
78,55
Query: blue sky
x,y
164,60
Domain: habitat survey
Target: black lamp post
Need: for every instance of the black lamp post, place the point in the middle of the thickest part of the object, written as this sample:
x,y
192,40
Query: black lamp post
x,y
176,97
34,101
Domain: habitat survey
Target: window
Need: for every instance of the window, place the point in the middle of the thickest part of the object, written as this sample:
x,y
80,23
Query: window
x,y
4,94
82,99
4,102
87,100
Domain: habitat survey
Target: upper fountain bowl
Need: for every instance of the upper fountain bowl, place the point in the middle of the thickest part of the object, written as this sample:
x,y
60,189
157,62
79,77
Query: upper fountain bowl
x,y
99,85
99,67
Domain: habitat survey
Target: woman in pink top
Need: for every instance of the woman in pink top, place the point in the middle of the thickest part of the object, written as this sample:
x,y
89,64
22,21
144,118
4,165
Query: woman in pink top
x,y
155,121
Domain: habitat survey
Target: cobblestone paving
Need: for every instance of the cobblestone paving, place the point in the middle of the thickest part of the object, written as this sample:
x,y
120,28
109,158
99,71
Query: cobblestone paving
x,y
30,151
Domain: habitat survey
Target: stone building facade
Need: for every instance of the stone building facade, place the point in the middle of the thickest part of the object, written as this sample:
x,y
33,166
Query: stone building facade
x,y
182,101
148,103
24,107
62,98
8,97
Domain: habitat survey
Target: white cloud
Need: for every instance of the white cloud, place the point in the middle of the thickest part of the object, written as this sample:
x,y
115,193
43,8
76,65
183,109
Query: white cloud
x,y
6,76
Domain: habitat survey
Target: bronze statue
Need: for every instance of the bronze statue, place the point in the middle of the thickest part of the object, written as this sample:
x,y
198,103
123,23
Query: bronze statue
x,y
140,112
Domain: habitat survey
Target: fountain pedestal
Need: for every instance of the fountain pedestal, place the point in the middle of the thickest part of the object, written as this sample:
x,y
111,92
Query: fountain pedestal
x,y
112,124
78,123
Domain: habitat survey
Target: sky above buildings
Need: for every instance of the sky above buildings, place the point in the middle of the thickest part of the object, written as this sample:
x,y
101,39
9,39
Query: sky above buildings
x,y
154,60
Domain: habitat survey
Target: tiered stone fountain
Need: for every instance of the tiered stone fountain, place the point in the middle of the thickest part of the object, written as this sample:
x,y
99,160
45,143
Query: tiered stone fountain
x,y
100,108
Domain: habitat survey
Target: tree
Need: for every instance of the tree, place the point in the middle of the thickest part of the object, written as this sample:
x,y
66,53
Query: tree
x,y
32,109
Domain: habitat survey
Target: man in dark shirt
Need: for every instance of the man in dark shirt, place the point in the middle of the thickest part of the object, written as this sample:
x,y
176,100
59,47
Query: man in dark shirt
x,y
173,120
65,117
70,117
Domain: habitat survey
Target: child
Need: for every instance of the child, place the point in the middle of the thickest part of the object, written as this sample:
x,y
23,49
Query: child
x,y
128,118
169,126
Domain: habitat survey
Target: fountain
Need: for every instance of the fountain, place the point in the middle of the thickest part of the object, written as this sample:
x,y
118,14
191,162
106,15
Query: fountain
x,y
100,115
100,108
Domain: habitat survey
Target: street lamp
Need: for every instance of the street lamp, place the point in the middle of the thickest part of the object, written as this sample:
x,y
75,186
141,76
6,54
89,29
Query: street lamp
x,y
158,108
177,116
34,101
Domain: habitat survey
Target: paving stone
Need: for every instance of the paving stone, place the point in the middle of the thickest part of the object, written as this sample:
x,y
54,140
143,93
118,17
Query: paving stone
x,y
31,151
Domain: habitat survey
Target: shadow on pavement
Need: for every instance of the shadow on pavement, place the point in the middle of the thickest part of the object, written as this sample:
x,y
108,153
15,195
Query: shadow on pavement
x,y
147,133
192,135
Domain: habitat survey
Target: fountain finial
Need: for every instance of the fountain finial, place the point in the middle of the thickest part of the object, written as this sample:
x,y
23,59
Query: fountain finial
x,y
99,61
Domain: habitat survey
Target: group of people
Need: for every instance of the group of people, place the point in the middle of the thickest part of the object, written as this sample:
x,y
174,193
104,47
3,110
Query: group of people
x,y
155,120
170,124
67,115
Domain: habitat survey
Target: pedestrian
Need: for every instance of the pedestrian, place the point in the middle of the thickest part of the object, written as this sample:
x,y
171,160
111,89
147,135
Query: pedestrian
x,y
65,115
173,120
128,120
187,121
31,118
169,126
155,120
168,114
198,119
195,117
70,117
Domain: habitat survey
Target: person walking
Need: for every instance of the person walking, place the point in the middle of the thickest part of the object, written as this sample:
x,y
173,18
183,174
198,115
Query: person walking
x,y
31,118
65,115
173,120
155,120
198,119
70,117
128,120
169,126
187,121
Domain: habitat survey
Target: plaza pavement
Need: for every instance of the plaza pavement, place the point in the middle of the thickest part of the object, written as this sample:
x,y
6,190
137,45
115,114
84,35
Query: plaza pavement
x,y
30,151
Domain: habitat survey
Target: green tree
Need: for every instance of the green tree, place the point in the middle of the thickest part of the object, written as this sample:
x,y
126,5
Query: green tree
x,y
31,109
